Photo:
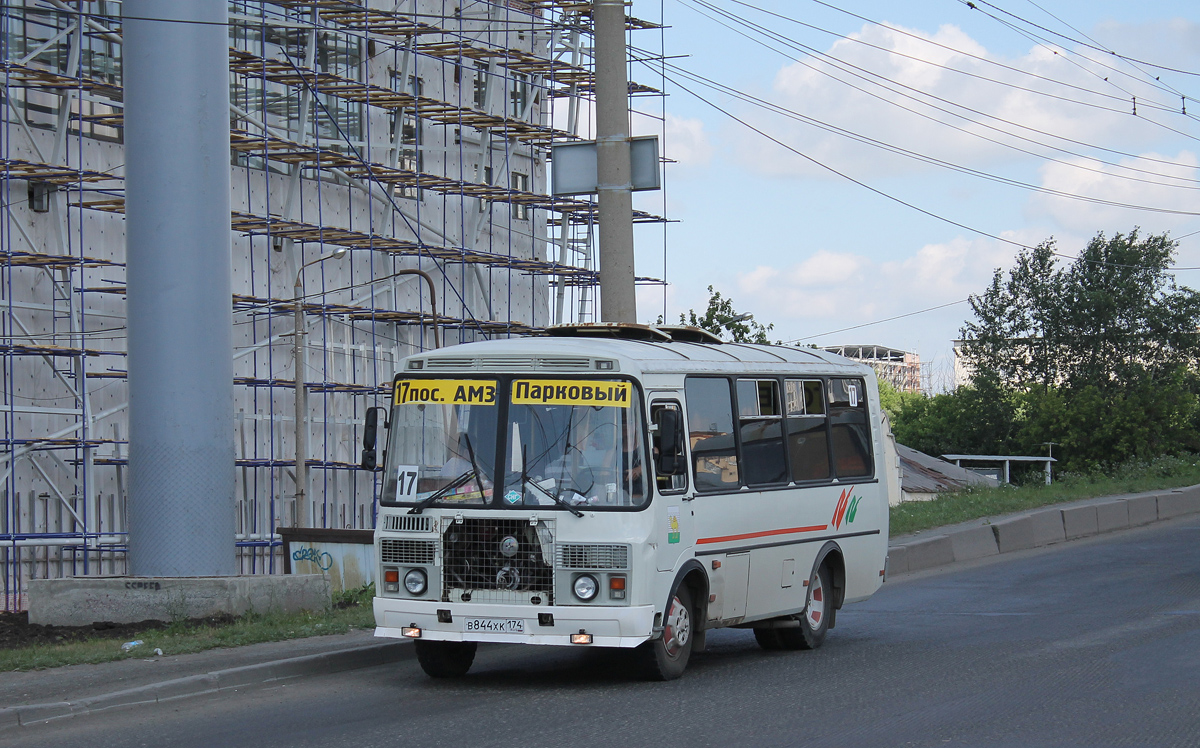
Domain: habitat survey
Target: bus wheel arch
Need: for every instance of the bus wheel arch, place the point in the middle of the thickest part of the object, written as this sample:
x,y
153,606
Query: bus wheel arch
x,y
831,555
693,575
679,625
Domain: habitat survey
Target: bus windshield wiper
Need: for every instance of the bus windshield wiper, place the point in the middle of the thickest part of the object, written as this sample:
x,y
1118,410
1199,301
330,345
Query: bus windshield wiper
x,y
525,481
460,480
552,497
441,492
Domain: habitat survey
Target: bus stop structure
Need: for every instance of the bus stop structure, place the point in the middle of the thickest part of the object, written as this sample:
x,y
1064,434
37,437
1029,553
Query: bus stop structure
x,y
1007,460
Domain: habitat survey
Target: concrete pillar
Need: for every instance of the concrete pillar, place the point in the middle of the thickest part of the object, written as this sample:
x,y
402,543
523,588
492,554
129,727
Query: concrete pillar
x,y
181,455
618,302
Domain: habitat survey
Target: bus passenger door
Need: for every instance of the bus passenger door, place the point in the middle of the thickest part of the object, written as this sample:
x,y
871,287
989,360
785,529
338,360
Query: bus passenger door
x,y
674,524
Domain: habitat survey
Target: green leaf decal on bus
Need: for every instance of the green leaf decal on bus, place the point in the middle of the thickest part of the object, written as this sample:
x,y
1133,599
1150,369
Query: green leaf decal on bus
x,y
853,508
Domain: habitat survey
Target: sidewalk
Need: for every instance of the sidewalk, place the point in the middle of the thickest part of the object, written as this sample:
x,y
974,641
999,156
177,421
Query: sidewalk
x,y
27,697
1036,528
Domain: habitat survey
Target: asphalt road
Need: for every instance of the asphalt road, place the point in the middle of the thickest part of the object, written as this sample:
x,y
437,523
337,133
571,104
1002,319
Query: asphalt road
x,y
1091,643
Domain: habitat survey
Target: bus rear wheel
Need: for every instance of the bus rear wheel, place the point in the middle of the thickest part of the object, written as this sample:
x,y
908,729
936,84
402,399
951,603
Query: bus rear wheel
x,y
666,657
445,659
814,621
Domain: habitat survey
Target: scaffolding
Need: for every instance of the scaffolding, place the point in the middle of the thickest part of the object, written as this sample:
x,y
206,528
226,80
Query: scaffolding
x,y
901,369
415,134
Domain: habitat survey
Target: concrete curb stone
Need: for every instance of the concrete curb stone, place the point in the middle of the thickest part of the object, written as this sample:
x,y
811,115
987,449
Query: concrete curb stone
x,y
126,697
219,680
973,543
1015,534
1048,527
1080,521
897,559
1142,510
192,684
41,712
10,717
1112,515
1040,528
929,552
1178,503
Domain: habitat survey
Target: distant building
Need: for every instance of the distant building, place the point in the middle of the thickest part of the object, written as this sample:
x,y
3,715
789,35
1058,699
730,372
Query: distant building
x,y
963,369
901,369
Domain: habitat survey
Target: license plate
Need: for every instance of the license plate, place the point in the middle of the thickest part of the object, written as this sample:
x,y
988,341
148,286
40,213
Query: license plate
x,y
494,625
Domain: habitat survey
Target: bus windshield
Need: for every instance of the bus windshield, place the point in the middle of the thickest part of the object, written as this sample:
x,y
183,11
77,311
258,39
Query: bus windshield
x,y
564,444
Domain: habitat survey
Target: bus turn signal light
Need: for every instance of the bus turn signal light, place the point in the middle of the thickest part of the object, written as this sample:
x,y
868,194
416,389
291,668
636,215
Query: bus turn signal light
x,y
581,638
410,632
616,588
391,575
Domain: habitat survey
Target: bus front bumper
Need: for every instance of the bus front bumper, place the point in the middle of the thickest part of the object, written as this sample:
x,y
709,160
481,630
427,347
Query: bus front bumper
x,y
609,626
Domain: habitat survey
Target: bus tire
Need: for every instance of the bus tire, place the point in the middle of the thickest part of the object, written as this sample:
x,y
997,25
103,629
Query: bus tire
x,y
768,639
666,657
445,659
814,619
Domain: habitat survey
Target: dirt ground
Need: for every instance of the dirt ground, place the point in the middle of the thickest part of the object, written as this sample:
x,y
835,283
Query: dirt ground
x,y
16,631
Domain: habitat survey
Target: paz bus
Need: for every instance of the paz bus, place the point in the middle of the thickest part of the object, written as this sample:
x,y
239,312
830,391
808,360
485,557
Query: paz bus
x,y
626,486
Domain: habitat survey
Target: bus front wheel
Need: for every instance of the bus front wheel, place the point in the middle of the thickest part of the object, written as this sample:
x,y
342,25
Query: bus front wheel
x,y
445,659
666,657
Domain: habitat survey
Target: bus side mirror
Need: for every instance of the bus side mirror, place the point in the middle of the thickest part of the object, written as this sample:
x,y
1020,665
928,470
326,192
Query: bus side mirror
x,y
370,459
669,440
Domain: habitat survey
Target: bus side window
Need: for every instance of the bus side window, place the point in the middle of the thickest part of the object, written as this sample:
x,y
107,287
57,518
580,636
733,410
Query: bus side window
x,y
761,424
850,428
807,431
710,433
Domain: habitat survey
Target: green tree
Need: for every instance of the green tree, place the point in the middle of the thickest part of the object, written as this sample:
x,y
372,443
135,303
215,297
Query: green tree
x,y
1112,317
722,320
1097,355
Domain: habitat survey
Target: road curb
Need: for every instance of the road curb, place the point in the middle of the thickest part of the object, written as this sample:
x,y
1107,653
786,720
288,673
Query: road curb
x,y
213,682
1038,528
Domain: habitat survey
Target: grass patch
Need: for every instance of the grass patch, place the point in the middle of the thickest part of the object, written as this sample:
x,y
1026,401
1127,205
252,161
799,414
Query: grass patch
x,y
348,611
1131,477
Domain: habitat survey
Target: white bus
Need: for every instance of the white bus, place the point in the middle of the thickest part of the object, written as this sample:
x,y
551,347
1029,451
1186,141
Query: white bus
x,y
626,486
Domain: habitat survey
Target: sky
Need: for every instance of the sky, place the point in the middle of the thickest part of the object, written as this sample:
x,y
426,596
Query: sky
x,y
795,217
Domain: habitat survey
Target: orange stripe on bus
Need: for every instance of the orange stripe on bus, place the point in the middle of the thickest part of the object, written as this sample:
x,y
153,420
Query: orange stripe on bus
x,y
763,534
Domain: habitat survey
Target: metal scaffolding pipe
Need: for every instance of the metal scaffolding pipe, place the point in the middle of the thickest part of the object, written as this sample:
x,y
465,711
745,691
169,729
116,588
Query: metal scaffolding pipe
x,y
181,448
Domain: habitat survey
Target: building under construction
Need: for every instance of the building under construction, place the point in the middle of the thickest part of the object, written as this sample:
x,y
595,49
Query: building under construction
x,y
416,135
901,369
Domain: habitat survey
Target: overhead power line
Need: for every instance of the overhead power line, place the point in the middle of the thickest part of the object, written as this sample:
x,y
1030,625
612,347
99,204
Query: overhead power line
x,y
977,123
974,5
898,150
881,193
870,76
955,50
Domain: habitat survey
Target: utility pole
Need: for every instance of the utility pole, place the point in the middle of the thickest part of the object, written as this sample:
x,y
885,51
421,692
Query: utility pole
x,y
181,455
618,302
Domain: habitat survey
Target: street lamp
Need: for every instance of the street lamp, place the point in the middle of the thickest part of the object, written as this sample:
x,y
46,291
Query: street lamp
x,y
300,517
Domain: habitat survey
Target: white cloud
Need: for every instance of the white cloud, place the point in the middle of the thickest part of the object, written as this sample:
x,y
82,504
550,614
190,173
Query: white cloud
x,y
1170,188
898,61
832,290
686,142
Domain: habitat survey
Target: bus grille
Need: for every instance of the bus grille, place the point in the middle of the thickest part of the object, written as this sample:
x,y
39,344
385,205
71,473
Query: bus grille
x,y
593,556
409,523
501,555
396,551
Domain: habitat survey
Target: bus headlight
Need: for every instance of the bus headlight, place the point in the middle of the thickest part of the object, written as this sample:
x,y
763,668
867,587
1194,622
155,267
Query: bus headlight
x,y
586,587
415,581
